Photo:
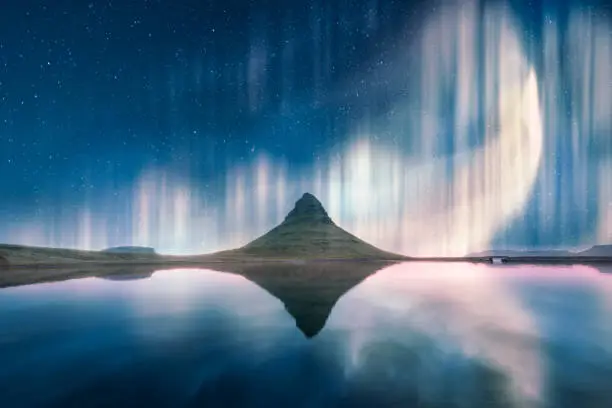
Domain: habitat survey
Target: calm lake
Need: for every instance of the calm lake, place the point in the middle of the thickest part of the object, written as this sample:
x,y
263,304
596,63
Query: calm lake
x,y
321,335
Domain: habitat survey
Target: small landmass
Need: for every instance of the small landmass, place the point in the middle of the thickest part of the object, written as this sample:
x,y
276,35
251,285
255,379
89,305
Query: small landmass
x,y
130,250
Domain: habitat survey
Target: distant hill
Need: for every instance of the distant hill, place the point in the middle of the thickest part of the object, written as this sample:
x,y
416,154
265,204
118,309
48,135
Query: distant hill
x,y
130,250
598,250
510,252
595,251
24,255
308,232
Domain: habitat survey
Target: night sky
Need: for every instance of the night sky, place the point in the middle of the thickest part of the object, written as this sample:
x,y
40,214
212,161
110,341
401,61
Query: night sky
x,y
424,127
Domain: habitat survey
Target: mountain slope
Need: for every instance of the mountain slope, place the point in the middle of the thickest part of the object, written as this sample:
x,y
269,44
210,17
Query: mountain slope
x,y
309,232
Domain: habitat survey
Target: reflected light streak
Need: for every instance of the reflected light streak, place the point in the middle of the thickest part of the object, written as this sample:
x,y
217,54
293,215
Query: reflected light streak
x,y
432,299
179,289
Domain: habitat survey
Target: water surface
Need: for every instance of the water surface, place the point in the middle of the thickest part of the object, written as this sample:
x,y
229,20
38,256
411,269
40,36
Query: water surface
x,y
412,334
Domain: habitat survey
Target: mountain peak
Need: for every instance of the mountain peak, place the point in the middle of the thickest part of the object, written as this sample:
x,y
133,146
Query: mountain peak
x,y
308,232
307,196
308,209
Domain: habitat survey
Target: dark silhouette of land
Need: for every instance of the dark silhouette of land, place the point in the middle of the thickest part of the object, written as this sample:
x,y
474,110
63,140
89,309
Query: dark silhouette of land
x,y
130,250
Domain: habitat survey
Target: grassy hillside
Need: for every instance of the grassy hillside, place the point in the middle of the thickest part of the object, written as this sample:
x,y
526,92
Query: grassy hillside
x,y
24,255
304,241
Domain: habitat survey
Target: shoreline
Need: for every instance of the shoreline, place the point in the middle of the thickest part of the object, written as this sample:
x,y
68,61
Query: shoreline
x,y
24,274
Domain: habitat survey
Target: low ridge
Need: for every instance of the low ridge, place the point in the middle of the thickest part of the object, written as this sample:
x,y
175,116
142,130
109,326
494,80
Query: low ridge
x,y
598,250
308,232
130,250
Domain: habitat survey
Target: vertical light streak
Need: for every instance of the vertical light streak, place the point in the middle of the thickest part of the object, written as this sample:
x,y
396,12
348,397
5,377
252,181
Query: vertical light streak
x,y
577,106
142,214
552,99
256,75
238,216
86,232
262,191
281,198
334,190
604,230
182,215
164,208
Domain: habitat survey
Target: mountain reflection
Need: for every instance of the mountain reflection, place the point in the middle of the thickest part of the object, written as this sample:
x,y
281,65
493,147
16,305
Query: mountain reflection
x,y
309,291
129,274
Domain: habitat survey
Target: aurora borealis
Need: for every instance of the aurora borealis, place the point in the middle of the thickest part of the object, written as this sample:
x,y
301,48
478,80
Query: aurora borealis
x,y
426,128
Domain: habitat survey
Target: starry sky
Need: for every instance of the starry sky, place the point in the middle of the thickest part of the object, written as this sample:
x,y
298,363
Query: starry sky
x,y
425,127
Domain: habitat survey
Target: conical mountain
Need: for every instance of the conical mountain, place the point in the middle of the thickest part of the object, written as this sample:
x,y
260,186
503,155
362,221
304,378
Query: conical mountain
x,y
309,232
